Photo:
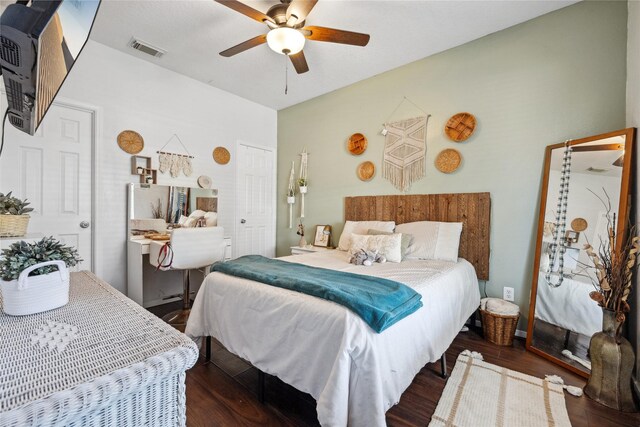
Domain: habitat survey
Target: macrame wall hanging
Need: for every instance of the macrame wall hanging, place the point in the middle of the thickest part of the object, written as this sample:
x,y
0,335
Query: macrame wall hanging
x,y
303,180
174,163
405,149
291,193
557,246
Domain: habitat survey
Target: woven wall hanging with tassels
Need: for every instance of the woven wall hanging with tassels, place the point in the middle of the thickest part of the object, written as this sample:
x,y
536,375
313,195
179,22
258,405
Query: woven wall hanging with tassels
x,y
405,149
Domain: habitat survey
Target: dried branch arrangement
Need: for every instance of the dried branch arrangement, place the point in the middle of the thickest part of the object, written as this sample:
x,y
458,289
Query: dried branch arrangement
x,y
614,269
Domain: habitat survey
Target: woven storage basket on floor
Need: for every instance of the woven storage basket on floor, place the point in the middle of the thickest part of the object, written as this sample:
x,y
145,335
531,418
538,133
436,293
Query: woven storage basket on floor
x,y
13,225
498,328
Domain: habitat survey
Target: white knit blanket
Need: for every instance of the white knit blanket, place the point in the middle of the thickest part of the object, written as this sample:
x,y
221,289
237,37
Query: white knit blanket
x,y
97,348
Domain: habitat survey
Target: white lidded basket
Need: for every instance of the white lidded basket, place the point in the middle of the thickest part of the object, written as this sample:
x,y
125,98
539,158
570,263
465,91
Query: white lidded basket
x,y
35,294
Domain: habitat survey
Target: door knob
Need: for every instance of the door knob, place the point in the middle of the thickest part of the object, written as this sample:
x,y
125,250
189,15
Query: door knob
x,y
242,221
84,224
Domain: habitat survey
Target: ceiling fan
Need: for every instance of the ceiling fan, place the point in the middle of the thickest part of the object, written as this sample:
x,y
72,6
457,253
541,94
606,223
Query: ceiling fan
x,y
603,147
287,33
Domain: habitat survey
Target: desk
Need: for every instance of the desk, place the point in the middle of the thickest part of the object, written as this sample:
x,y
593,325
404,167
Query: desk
x,y
137,257
99,360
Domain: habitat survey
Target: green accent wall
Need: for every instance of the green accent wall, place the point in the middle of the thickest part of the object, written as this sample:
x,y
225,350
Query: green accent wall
x,y
556,77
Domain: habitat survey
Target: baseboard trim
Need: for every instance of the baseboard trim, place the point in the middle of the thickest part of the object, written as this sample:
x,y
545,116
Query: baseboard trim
x,y
519,333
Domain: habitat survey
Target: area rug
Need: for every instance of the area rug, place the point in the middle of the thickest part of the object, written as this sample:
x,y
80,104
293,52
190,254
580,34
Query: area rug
x,y
480,394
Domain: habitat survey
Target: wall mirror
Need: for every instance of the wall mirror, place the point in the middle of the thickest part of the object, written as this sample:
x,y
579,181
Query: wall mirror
x,y
577,184
157,206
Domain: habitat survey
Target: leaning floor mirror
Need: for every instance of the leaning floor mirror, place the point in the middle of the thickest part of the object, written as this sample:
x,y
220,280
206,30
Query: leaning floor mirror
x,y
585,195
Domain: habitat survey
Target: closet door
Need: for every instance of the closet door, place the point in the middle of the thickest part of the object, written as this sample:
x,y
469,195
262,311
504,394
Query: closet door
x,y
255,201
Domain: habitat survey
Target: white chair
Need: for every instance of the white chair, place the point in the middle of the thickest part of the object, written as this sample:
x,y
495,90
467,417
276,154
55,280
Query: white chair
x,y
189,248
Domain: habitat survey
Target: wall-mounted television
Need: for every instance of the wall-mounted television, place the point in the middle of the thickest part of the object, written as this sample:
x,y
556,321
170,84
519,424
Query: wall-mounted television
x,y
39,43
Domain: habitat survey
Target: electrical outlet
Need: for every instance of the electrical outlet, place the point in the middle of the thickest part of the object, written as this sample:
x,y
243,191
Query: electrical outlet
x,y
507,294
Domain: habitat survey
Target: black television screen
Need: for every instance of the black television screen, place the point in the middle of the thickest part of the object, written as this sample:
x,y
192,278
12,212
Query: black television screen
x,y
39,44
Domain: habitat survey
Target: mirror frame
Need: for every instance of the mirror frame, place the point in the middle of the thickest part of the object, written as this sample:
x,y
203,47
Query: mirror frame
x,y
623,219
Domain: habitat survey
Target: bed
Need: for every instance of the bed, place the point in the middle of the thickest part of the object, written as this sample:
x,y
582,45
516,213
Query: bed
x,y
324,349
569,306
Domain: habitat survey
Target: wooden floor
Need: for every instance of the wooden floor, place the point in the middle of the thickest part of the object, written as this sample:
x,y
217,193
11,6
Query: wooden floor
x,y
224,392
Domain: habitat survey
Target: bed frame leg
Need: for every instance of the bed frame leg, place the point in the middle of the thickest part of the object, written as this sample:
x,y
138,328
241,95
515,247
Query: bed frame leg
x,y
207,349
567,337
443,365
261,381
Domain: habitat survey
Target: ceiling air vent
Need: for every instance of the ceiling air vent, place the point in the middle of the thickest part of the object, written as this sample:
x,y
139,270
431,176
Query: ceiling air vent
x,y
146,48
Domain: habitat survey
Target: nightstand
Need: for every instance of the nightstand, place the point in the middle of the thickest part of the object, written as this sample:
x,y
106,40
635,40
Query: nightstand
x,y
301,250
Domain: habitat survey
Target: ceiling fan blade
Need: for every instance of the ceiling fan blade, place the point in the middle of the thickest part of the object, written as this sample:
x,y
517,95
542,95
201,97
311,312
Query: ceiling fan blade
x,y
298,10
619,161
299,62
256,41
246,10
323,34
601,147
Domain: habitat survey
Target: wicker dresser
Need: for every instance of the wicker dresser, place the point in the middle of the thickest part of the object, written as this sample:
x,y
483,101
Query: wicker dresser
x,y
101,360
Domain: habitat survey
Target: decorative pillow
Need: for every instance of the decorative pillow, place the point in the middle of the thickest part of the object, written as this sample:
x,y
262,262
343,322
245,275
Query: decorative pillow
x,y
388,246
361,227
211,218
406,240
432,240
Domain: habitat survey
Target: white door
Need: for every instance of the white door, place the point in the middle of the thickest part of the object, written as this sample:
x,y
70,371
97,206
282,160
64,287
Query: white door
x,y
255,201
53,170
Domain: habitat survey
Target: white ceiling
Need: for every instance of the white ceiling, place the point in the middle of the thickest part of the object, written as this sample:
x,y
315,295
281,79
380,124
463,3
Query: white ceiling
x,y
582,161
194,31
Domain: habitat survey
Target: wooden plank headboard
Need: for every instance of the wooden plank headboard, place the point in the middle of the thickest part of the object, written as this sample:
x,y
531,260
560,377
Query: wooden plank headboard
x,y
472,209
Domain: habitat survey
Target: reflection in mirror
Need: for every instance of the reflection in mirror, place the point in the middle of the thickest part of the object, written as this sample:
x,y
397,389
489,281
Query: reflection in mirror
x,y
155,208
583,182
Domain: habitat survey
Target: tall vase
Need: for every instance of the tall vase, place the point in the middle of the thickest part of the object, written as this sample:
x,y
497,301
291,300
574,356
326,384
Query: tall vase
x,y
611,366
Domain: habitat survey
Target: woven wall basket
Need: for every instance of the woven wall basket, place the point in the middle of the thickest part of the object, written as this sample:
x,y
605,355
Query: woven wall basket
x,y
35,294
13,225
366,170
221,155
448,160
460,126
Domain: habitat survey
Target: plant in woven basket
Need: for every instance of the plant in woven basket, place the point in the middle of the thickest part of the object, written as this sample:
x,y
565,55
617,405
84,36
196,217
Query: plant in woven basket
x,y
10,205
22,255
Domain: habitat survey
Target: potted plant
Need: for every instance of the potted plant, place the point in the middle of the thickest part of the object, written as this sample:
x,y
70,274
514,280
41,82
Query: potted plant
x,y
612,357
291,196
302,184
13,216
34,277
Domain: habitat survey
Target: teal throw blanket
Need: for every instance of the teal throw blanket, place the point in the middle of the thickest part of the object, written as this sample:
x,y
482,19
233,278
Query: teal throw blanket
x,y
379,302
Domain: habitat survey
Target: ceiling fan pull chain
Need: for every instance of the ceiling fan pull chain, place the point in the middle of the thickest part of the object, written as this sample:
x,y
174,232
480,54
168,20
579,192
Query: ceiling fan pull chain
x,y
286,74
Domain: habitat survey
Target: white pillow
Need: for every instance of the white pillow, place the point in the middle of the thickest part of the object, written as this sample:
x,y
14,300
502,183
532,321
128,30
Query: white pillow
x,y
361,227
387,245
432,240
211,218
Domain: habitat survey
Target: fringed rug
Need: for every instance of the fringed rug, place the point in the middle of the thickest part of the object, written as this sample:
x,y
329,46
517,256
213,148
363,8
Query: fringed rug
x,y
405,149
480,394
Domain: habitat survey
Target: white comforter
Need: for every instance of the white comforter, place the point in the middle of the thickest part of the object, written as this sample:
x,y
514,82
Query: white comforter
x,y
569,306
324,349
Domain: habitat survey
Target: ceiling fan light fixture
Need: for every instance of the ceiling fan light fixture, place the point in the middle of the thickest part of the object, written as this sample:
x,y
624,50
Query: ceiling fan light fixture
x,y
285,40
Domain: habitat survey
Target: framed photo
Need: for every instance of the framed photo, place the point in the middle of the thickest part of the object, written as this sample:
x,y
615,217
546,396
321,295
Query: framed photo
x,y
322,236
